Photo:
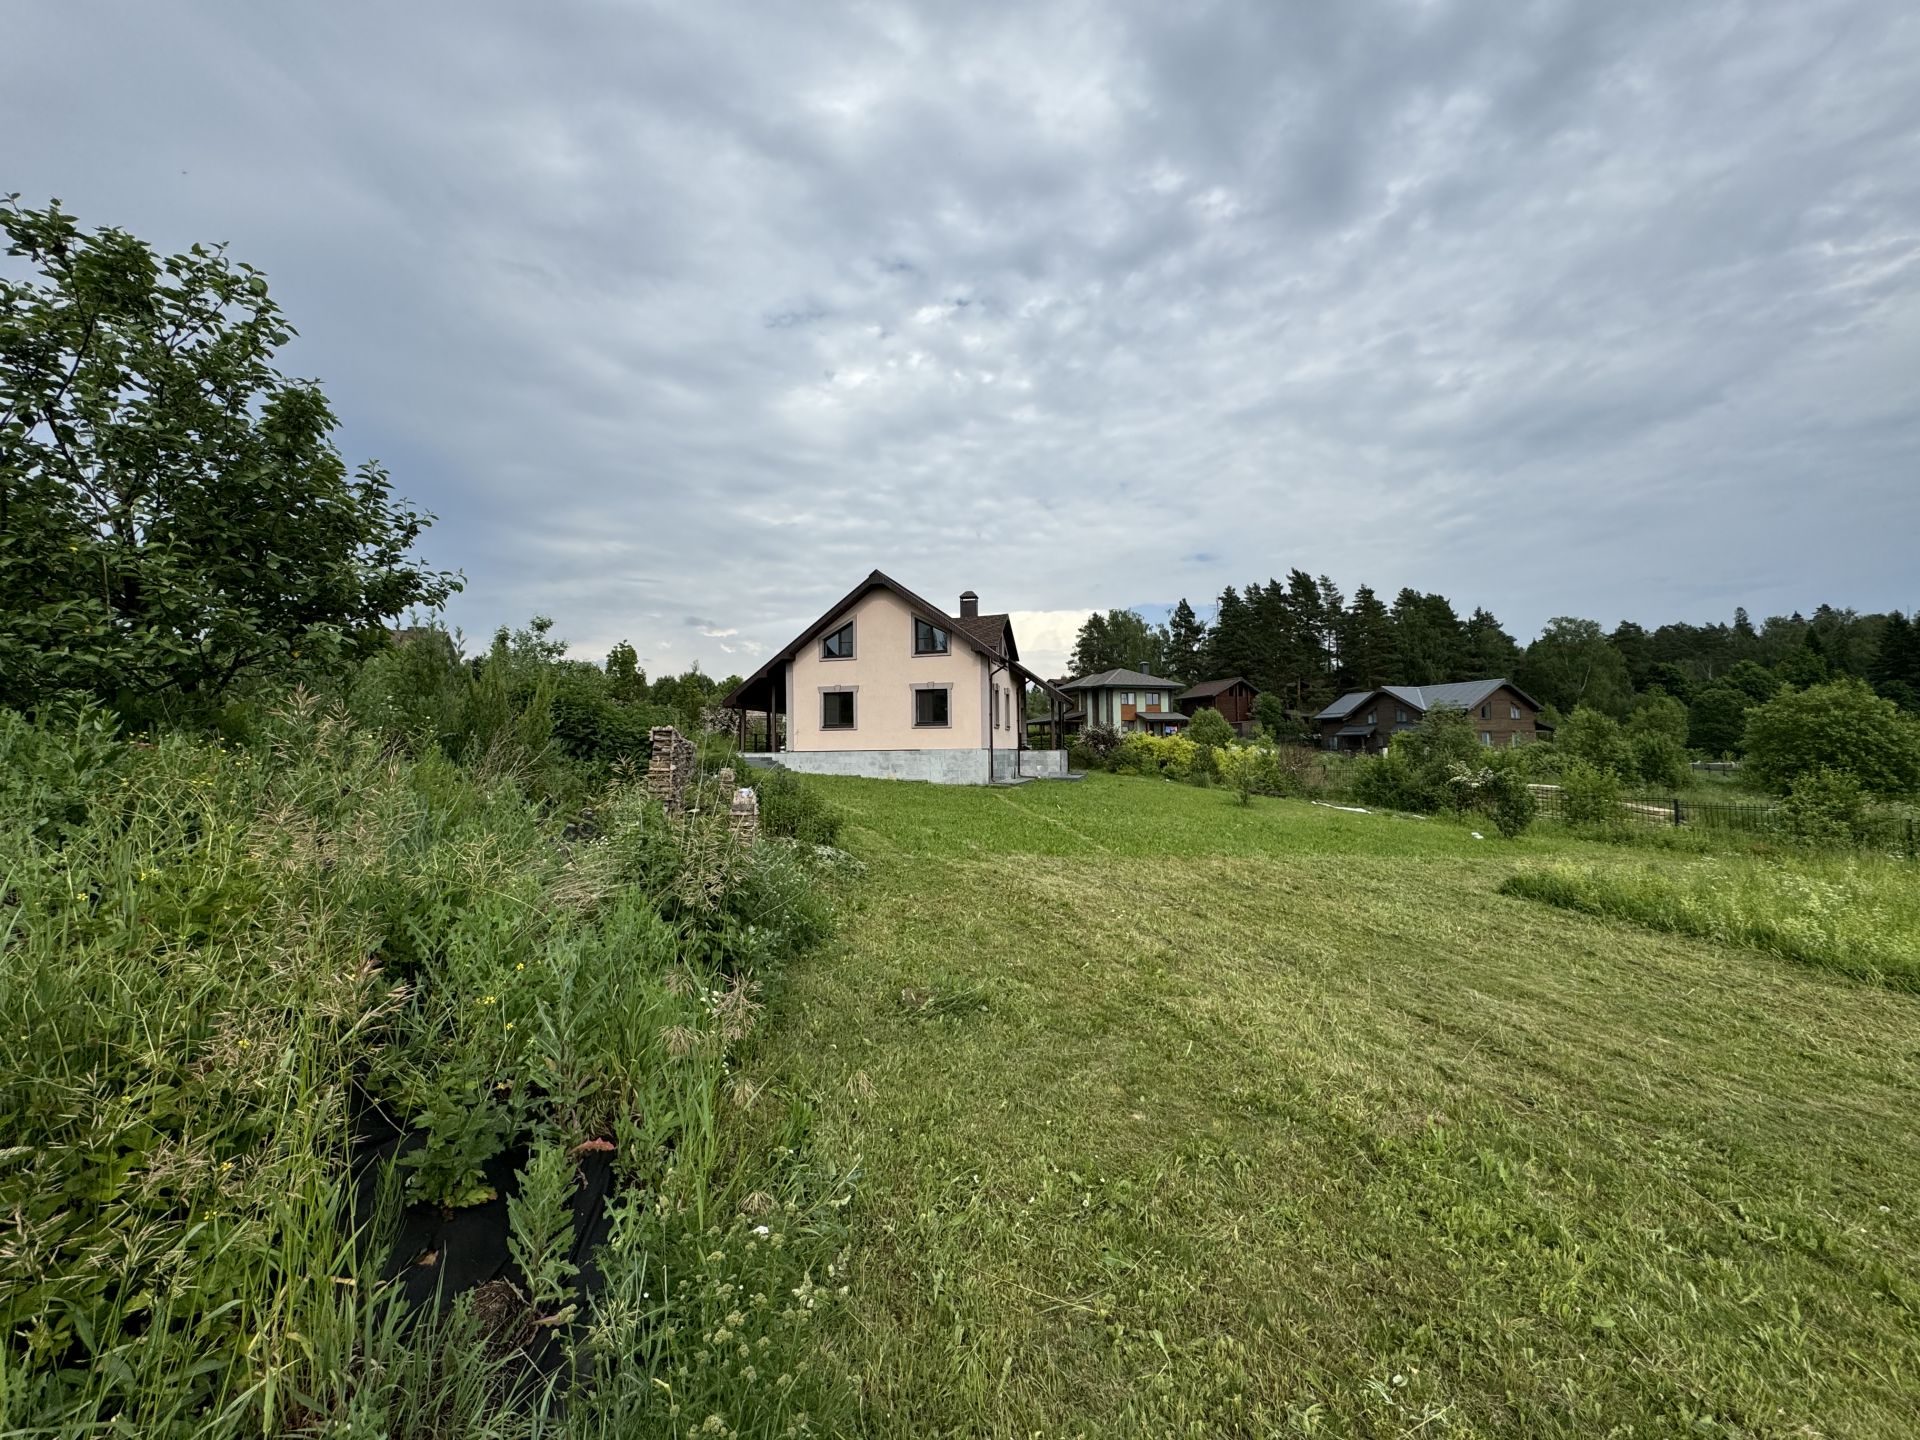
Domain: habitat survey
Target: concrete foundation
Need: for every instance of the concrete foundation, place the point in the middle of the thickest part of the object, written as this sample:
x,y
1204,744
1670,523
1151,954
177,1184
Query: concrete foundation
x,y
937,767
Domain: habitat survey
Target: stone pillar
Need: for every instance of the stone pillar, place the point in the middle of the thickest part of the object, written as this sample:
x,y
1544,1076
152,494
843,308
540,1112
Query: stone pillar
x,y
745,820
672,767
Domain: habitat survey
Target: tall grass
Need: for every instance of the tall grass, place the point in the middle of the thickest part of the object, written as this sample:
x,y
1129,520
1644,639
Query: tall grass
x,y
1859,916
217,962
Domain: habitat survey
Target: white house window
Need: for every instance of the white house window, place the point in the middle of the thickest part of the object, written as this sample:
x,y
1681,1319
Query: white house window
x,y
1513,712
1373,717
838,645
1486,737
1126,697
928,639
932,705
836,709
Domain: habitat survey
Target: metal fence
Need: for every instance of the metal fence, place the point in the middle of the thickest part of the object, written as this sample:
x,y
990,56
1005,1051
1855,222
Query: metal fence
x,y
1898,833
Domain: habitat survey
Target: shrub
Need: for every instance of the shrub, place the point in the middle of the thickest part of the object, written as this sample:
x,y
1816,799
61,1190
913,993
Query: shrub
x,y
1497,789
1239,767
1210,730
1590,796
1843,727
1098,742
1825,808
1391,782
793,809
1255,769
1171,757
1658,759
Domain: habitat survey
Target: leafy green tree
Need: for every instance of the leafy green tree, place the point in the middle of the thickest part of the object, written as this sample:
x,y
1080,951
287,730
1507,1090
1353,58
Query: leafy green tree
x,y
1656,713
1657,758
1841,725
626,681
1636,652
1805,666
174,516
1717,720
1270,713
1672,678
1118,640
1755,681
1594,737
1572,664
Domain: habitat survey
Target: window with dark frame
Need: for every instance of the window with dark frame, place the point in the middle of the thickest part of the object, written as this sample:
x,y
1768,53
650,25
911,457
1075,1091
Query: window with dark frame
x,y
928,639
838,645
836,709
932,707
1486,712
1513,712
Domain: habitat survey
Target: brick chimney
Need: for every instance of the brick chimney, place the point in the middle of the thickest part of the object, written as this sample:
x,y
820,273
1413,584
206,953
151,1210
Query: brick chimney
x,y
969,605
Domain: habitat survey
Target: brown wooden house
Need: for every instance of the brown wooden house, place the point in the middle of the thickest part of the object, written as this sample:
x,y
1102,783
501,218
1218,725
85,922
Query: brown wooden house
x,y
1366,720
1232,698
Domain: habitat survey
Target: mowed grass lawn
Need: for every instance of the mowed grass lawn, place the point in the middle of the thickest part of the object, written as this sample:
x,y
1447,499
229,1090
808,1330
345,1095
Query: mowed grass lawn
x,y
1181,1119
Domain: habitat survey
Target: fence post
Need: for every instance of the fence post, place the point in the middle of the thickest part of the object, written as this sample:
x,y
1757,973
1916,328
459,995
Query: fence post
x,y
1676,809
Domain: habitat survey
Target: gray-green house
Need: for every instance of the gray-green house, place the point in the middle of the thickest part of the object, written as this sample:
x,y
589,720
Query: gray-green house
x,y
1127,700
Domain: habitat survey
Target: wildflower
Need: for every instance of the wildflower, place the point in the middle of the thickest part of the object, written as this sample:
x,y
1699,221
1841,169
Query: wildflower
x,y
509,1024
243,1044
489,1000
521,966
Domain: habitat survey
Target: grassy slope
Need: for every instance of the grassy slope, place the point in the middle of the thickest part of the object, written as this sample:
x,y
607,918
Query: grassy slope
x,y
1229,1121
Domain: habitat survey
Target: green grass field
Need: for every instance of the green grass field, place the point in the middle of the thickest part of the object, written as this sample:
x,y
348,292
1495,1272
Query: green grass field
x,y
1181,1119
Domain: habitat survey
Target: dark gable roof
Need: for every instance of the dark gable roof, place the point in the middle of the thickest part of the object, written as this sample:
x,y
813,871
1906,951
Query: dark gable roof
x,y
1207,689
1120,679
1456,695
991,635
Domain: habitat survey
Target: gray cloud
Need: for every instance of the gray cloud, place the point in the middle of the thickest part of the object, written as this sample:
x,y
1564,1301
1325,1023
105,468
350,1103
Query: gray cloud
x,y
1603,309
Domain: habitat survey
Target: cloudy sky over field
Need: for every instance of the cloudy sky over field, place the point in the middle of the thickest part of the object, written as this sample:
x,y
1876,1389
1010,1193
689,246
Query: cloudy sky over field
x,y
682,318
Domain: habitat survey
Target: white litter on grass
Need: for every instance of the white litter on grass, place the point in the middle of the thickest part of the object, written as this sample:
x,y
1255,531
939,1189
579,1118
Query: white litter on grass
x,y
1350,809
1476,835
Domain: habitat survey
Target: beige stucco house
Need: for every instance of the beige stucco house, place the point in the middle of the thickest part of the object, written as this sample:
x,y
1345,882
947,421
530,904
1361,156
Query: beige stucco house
x,y
887,684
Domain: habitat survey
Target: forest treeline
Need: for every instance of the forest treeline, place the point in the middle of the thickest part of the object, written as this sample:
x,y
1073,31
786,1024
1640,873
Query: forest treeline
x,y
1301,639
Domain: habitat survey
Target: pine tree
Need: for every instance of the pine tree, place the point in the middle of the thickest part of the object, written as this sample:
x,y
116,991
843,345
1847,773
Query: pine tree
x,y
1186,638
1366,642
1229,648
1491,652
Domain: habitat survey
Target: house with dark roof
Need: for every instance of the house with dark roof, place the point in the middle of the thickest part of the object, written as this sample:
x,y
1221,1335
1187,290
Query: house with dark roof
x,y
887,684
1127,700
1365,721
1233,698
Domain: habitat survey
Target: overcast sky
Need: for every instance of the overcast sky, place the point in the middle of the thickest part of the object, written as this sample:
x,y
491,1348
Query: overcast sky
x,y
682,318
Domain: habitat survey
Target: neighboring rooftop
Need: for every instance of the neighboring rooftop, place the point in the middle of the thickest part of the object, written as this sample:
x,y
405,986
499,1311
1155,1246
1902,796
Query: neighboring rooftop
x,y
1120,680
1207,689
1457,695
